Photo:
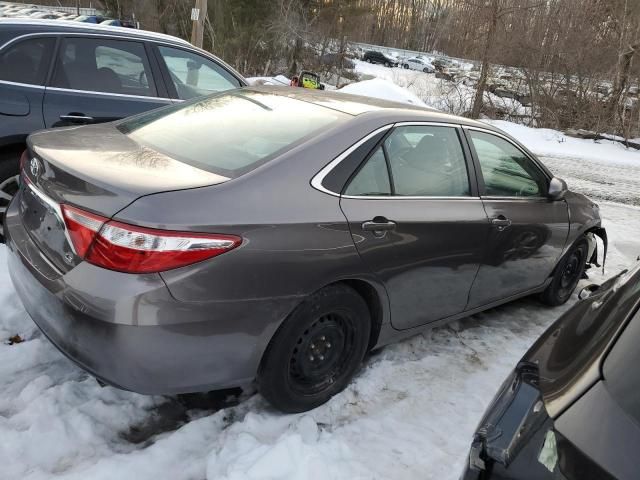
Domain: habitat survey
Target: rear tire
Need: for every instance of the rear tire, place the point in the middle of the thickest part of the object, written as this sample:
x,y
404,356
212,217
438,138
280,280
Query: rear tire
x,y
387,64
368,60
316,351
567,275
9,173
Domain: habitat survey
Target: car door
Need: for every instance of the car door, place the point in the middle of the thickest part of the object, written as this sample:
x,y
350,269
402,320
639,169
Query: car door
x,y
100,79
23,69
417,222
528,231
188,74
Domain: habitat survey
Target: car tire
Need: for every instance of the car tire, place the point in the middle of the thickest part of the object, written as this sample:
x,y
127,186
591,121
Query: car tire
x,y
9,171
316,351
387,64
425,70
405,66
368,60
567,275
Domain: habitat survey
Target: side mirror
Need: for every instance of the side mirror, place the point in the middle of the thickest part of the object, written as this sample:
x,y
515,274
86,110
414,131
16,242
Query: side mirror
x,y
557,189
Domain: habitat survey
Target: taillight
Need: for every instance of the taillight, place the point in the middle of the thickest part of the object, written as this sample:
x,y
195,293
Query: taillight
x,y
82,227
23,159
127,248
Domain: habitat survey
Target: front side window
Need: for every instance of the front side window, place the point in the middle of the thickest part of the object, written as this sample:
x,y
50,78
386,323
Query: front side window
x,y
194,75
101,65
27,61
506,170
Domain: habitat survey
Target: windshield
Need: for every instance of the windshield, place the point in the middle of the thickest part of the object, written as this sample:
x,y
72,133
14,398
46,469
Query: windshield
x,y
230,133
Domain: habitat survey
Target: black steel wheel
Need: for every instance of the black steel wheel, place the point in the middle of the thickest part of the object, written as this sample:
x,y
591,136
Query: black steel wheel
x,y
316,351
567,275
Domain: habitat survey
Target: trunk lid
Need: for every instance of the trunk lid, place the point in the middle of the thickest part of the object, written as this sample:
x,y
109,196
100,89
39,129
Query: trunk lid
x,y
95,168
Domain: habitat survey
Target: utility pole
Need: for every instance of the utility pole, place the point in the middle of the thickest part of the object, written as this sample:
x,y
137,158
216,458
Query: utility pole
x,y
198,15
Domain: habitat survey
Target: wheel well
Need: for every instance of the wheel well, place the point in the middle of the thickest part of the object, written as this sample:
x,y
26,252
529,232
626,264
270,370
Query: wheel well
x,y
581,237
372,299
12,149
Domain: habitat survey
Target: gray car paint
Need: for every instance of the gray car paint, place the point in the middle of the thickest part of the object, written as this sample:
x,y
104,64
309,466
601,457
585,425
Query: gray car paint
x,y
207,325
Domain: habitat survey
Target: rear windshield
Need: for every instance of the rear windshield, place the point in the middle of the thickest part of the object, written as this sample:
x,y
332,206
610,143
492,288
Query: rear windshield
x,y
230,133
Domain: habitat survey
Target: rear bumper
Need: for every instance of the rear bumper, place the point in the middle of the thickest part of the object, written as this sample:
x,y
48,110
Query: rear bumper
x,y
129,331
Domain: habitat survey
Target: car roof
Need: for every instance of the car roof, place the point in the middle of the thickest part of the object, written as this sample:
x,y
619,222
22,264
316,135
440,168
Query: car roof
x,y
66,26
358,105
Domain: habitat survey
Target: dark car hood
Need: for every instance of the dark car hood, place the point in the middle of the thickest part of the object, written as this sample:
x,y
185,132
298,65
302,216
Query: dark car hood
x,y
569,353
98,160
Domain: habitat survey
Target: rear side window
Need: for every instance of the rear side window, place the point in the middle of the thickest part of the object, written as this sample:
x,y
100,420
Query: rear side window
x,y
231,133
194,75
27,61
102,65
621,373
420,161
372,179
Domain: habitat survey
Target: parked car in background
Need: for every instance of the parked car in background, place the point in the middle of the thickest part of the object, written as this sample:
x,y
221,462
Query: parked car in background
x,y
56,73
90,19
571,408
420,64
441,63
378,57
186,266
45,15
117,23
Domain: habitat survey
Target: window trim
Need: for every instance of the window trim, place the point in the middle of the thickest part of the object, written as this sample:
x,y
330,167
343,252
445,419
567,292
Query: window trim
x,y
316,181
480,178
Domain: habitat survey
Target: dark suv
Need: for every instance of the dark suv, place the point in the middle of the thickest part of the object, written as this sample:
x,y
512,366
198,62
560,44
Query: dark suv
x,y
378,57
56,73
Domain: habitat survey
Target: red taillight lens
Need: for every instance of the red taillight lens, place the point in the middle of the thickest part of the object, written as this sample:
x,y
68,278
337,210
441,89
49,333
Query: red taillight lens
x,y
23,159
83,228
127,248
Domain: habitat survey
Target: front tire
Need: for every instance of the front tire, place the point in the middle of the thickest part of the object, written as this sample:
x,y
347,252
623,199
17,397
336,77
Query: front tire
x,y
316,351
567,275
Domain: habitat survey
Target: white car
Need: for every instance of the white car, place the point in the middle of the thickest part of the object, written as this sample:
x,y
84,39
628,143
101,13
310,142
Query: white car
x,y
420,64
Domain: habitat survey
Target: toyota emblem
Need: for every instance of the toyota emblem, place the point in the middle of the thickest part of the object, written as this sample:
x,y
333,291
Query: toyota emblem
x,y
34,166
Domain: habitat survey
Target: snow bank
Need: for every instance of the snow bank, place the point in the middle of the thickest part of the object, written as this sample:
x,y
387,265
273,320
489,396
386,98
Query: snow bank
x,y
386,90
551,143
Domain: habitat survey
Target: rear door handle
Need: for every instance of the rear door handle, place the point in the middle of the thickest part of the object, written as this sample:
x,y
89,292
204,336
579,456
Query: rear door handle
x,y
76,118
378,225
501,222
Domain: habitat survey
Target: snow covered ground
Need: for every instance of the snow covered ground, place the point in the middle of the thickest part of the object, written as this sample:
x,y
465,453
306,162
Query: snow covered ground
x,y
409,414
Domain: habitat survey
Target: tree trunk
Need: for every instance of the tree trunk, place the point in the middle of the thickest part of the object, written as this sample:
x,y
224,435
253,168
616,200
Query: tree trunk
x,y
486,54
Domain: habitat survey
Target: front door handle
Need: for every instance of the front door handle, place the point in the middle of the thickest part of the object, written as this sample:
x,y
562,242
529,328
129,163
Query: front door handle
x,y
76,118
378,225
501,222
